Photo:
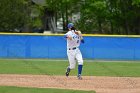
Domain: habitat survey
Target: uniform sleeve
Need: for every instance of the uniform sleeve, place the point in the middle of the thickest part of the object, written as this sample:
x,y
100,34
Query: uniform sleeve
x,y
68,34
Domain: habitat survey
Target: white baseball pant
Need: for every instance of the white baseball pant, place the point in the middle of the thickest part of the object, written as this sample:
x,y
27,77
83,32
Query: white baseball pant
x,y
73,56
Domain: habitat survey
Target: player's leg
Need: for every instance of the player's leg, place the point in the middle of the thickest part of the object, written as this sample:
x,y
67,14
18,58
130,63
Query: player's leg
x,y
80,63
72,62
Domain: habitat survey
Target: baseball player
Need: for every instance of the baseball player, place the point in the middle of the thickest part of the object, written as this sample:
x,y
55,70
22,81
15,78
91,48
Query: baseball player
x,y
74,38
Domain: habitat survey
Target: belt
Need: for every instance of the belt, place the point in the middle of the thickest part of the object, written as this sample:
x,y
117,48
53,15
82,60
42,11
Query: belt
x,y
72,48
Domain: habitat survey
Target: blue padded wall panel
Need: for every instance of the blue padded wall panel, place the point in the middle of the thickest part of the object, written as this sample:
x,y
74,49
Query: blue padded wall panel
x,y
29,46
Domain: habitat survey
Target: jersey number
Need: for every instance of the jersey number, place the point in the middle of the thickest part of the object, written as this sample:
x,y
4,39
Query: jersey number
x,y
77,41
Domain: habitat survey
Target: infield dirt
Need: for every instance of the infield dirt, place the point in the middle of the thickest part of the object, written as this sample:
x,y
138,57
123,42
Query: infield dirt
x,y
96,83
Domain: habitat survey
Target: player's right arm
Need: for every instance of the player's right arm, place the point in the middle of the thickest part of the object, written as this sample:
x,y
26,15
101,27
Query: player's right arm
x,y
68,36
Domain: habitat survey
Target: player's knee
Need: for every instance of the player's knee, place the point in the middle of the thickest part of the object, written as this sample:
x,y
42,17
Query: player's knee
x,y
80,62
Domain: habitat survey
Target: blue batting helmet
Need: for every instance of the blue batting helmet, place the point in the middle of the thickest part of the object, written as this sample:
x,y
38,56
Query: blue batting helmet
x,y
70,25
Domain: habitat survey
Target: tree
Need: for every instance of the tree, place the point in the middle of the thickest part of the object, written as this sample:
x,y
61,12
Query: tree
x,y
110,16
62,8
93,14
11,17
124,16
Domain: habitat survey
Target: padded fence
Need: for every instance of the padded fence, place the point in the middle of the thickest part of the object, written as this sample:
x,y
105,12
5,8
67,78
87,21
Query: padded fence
x,y
46,46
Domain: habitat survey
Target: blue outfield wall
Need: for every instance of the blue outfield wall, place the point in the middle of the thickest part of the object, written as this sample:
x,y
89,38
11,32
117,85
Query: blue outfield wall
x,y
47,46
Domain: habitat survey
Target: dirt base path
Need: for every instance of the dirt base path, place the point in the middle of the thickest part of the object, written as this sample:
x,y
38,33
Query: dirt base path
x,y
99,84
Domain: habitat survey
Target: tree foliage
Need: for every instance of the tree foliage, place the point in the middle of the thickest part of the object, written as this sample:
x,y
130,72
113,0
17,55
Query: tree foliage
x,y
103,16
62,8
110,16
12,14
96,16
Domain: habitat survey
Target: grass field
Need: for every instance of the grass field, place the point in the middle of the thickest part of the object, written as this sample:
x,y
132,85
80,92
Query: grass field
x,y
38,90
52,67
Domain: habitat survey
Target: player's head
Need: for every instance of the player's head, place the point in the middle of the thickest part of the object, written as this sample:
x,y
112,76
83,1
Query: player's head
x,y
70,25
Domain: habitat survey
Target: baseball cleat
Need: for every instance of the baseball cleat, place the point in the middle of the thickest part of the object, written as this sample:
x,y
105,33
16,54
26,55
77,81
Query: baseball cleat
x,y
79,77
67,74
67,71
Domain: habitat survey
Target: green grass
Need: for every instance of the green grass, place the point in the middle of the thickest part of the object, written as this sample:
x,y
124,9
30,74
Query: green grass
x,y
4,89
49,67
